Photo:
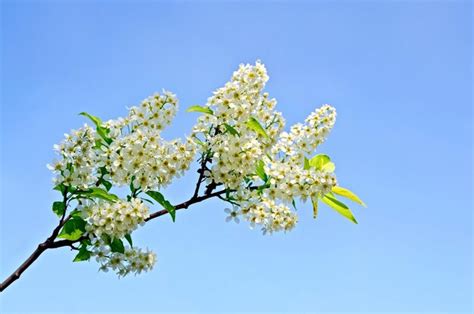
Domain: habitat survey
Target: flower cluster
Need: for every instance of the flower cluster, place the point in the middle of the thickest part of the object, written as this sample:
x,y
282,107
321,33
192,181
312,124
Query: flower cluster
x,y
132,260
78,159
133,153
114,219
305,138
265,212
261,169
241,129
147,161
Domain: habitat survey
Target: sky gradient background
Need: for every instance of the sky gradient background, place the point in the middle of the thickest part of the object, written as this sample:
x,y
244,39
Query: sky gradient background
x,y
399,74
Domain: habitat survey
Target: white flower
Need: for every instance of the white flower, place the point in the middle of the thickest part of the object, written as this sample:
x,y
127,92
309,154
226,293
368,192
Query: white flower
x,y
233,214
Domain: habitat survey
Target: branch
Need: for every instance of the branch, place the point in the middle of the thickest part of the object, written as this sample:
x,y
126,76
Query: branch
x,y
49,243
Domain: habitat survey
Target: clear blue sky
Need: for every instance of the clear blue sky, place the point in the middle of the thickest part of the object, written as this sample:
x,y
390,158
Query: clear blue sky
x,y
399,74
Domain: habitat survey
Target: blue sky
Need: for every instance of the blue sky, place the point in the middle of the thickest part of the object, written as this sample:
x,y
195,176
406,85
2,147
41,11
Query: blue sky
x,y
399,74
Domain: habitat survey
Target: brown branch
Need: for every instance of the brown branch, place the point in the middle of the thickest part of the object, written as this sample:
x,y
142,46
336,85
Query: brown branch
x,y
49,243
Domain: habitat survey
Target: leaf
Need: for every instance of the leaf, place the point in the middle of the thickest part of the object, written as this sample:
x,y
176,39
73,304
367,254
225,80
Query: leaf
x,y
338,206
116,246
314,201
329,167
253,124
96,120
319,161
73,229
157,196
83,255
60,187
294,204
59,208
261,171
231,129
106,184
128,237
200,109
100,193
101,130
347,194
306,164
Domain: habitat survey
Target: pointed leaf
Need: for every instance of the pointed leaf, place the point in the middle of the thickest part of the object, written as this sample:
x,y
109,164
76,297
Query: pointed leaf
x,y
200,109
83,255
128,237
157,196
97,121
253,124
117,246
347,194
338,206
261,171
73,229
231,129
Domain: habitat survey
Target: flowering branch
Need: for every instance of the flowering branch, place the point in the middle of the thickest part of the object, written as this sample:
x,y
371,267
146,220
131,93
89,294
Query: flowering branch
x,y
49,243
263,170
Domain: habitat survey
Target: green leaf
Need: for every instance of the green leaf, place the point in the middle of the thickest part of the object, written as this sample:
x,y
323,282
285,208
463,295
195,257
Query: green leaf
x,y
106,184
83,255
73,229
128,237
261,171
157,196
100,193
347,194
319,161
329,167
116,246
200,109
314,201
60,187
253,124
306,164
102,131
97,121
338,206
294,204
231,129
59,208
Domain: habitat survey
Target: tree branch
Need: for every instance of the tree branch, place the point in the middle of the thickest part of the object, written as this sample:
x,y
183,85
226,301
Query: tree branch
x,y
49,243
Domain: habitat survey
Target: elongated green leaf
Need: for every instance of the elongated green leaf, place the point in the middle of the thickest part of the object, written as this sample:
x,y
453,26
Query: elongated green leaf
x,y
157,196
83,255
314,201
347,194
100,193
101,130
96,120
128,237
200,109
73,229
338,206
58,208
319,161
116,246
261,171
253,124
231,129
